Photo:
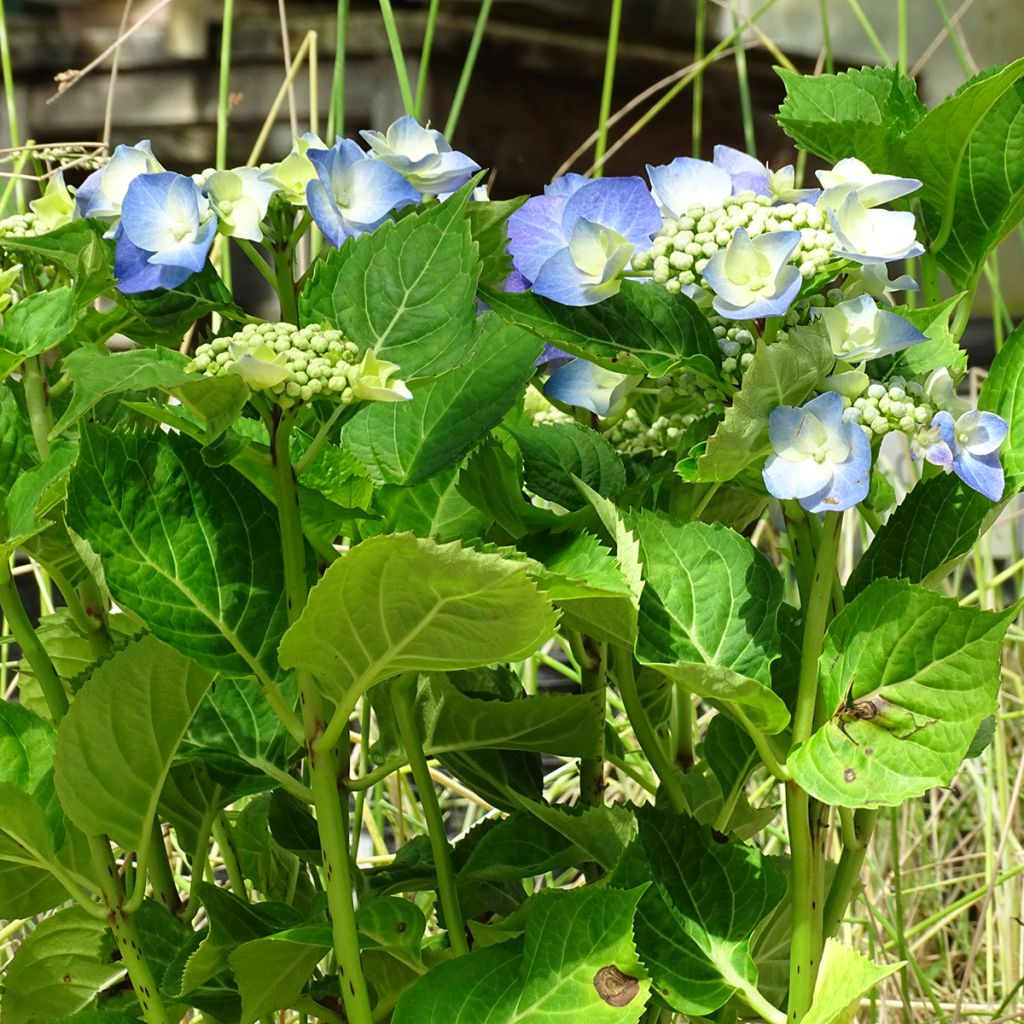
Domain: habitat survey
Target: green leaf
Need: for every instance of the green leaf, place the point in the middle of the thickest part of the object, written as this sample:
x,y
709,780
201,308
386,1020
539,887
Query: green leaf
x,y
907,678
602,832
392,923
567,724
695,922
35,493
407,442
520,846
708,616
405,291
844,978
859,113
116,744
576,961
97,374
15,443
61,246
941,348
400,603
781,374
272,972
944,150
38,322
937,523
639,330
193,551
215,401
239,738
434,509
556,455
488,223
58,968
1002,392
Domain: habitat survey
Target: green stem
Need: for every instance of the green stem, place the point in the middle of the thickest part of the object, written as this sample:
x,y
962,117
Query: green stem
x,y
930,279
826,35
9,97
699,32
223,112
403,692
901,21
611,53
743,84
40,415
122,924
428,44
683,726
265,269
397,57
591,658
229,852
806,898
336,114
847,871
285,283
467,69
33,651
325,765
644,731
161,877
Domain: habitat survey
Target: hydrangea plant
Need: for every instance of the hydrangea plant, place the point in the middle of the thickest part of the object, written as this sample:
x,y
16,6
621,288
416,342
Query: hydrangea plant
x,y
472,430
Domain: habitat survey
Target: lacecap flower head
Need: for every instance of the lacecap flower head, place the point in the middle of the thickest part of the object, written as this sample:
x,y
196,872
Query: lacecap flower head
x,y
818,459
351,193
422,156
167,228
572,243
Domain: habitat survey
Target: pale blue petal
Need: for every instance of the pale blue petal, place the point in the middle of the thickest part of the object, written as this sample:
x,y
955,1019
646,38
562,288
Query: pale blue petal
x,y
449,173
687,182
788,283
535,233
850,479
828,408
566,185
623,204
947,428
778,246
189,254
747,173
894,334
985,431
153,203
86,193
581,383
806,479
135,273
981,472
785,425
561,280
373,191
324,213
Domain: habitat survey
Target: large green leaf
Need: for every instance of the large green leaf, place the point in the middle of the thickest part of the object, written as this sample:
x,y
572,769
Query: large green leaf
x,y
708,615
557,455
96,374
434,508
937,523
695,922
62,246
844,978
520,846
1003,392
940,349
781,374
857,113
907,677
972,188
575,962
15,444
34,494
238,737
116,744
405,291
193,551
38,323
639,330
401,603
58,968
406,442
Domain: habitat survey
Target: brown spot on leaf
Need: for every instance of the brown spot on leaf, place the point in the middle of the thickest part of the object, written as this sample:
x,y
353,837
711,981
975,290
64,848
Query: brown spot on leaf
x,y
614,987
868,751
67,979
849,775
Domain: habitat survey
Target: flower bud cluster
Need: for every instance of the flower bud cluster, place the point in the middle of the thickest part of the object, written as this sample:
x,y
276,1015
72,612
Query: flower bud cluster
x,y
21,225
633,434
679,254
897,404
292,364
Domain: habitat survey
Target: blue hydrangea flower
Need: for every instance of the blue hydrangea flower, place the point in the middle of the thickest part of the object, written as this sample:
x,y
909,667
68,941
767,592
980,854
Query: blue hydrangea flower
x,y
687,181
818,459
751,277
579,382
352,193
167,228
422,156
103,192
858,330
572,243
854,176
969,446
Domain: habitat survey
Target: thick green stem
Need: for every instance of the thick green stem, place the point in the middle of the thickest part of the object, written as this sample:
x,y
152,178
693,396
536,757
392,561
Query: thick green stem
x,y
122,924
33,651
286,286
40,415
325,765
611,51
161,877
644,731
847,872
402,696
229,852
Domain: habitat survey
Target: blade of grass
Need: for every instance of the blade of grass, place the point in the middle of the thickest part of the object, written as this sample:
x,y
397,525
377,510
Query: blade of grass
x,y
467,68
397,57
606,89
